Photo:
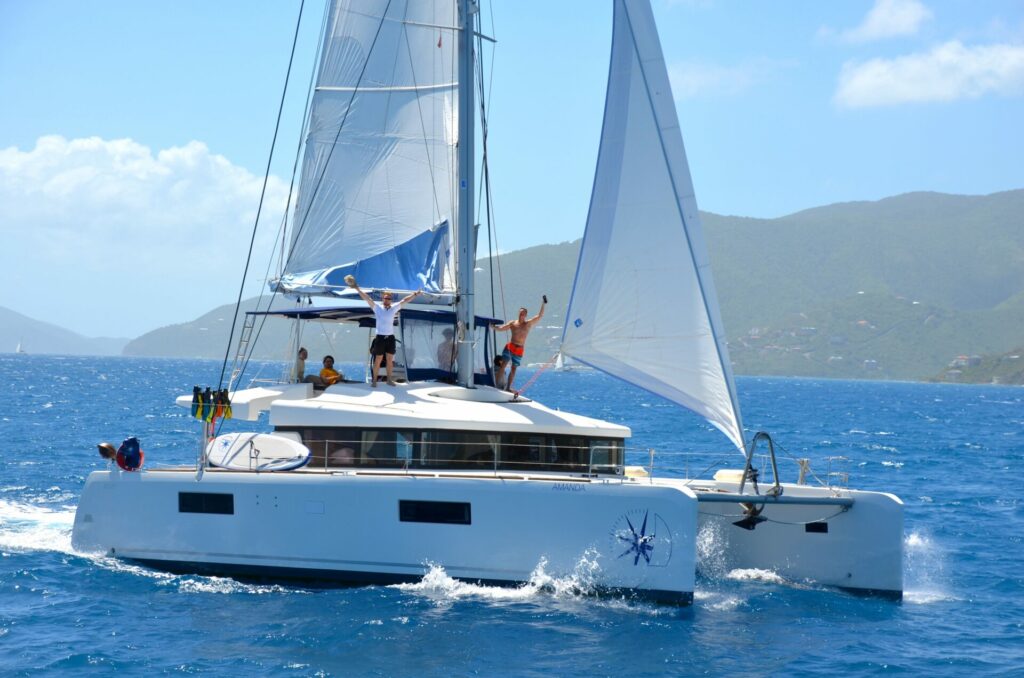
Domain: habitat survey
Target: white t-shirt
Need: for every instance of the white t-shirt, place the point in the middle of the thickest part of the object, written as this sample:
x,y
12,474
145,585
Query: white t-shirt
x,y
385,318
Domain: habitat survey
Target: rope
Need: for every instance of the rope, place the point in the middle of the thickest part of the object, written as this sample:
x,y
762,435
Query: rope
x,y
536,374
263,193
772,520
316,189
795,459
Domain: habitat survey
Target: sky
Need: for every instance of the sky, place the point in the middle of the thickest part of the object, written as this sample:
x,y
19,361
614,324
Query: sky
x,y
134,136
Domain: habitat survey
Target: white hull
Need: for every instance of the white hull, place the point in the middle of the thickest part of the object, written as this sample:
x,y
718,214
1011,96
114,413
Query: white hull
x,y
347,527
855,545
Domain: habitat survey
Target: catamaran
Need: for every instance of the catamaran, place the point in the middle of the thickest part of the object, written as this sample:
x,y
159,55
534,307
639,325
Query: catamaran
x,y
365,484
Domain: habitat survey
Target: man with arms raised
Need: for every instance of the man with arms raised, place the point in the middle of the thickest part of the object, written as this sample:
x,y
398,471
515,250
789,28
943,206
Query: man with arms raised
x,y
514,349
384,341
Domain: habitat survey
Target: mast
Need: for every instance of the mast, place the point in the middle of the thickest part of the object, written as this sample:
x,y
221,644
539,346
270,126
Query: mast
x,y
465,257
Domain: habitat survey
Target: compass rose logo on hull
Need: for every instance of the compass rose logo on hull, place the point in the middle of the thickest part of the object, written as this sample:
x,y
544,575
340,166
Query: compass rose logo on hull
x,y
640,543
642,536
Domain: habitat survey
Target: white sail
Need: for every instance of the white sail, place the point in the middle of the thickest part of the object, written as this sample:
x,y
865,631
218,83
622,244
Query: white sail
x,y
376,194
644,307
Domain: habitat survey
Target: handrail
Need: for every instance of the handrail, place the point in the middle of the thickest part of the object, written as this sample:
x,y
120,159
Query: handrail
x,y
776,490
493,456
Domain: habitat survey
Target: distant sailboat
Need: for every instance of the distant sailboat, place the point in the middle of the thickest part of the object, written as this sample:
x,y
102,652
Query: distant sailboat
x,y
20,348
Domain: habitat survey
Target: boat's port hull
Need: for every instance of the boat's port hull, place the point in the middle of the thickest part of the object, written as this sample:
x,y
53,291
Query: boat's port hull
x,y
609,535
849,539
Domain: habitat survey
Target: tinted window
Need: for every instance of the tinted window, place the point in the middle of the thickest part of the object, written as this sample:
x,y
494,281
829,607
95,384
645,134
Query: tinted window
x,y
206,502
392,448
447,512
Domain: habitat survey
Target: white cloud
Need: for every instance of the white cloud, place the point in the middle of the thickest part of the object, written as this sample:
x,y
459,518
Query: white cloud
x,y
692,79
111,225
948,72
889,19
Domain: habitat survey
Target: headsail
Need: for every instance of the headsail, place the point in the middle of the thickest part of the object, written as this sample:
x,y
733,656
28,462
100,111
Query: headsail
x,y
644,307
376,194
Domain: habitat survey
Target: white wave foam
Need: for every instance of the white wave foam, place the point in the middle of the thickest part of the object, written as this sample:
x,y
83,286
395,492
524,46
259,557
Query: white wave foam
x,y
574,588
436,584
222,585
719,602
926,597
924,577
30,527
756,574
712,544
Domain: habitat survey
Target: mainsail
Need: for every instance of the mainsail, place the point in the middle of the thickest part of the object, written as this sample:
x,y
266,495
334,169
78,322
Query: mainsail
x,y
643,306
376,193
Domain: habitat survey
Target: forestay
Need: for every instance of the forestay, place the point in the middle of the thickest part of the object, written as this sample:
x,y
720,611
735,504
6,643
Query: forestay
x,y
643,306
376,193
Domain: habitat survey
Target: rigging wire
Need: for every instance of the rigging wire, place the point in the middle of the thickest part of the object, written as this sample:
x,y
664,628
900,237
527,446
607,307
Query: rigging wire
x,y
283,228
263,192
316,188
485,178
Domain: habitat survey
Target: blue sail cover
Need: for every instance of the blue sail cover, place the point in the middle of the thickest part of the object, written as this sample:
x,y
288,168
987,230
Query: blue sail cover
x,y
418,263
377,193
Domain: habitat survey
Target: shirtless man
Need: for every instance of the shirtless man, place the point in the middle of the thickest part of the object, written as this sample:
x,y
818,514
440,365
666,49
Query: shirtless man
x,y
520,328
383,346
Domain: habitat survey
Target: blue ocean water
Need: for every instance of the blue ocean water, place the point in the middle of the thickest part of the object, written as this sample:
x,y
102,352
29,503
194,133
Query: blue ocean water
x,y
953,453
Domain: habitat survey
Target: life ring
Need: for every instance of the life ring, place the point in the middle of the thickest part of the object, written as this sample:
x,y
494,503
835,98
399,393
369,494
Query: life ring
x,y
130,455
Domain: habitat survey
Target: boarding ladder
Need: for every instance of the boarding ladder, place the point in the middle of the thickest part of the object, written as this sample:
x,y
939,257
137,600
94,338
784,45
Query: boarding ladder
x,y
243,345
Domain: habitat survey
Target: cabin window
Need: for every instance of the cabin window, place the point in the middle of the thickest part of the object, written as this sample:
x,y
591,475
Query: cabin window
x,y
445,512
458,449
605,455
395,448
521,451
206,502
386,448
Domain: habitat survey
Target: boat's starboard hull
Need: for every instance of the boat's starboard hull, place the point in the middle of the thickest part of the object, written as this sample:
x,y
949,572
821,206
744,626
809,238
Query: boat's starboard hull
x,y
614,535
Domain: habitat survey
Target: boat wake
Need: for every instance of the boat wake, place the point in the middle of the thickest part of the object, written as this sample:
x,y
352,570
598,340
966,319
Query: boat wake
x,y
29,527
577,586
754,574
439,586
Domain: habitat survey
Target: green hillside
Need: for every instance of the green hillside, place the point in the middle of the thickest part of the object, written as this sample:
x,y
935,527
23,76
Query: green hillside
x,y
872,336
36,336
1006,368
954,252
207,337
896,288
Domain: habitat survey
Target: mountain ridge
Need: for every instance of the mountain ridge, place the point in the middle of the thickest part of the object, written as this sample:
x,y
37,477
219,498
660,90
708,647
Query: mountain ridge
x,y
892,288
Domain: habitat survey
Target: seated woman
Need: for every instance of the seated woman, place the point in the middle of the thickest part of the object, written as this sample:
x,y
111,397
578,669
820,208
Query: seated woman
x,y
329,375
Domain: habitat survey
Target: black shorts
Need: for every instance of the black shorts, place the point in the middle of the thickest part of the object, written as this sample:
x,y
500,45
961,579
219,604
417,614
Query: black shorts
x,y
383,343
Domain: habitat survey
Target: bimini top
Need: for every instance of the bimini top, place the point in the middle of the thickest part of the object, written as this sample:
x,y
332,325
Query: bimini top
x,y
364,316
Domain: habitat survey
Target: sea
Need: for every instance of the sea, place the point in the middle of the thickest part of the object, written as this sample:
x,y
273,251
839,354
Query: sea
x,y
953,453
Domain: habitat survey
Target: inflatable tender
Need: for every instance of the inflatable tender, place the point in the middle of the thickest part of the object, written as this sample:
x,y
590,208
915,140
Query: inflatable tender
x,y
256,452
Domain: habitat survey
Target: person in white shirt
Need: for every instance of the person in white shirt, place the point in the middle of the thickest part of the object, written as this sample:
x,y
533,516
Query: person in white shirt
x,y
383,345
